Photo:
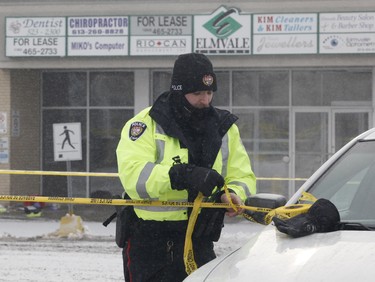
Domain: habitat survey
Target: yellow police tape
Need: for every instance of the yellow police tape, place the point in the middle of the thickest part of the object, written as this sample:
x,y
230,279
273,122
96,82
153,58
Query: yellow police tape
x,y
58,173
284,212
108,174
190,264
189,261
120,202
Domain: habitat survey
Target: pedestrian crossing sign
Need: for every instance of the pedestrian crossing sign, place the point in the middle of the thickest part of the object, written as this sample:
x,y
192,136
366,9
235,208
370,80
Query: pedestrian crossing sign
x,y
67,141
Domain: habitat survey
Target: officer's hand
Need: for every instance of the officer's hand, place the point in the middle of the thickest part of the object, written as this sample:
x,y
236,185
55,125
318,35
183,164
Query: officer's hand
x,y
178,176
201,179
205,180
236,200
298,226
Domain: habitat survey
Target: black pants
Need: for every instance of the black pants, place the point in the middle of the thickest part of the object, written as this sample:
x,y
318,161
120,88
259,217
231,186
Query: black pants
x,y
155,252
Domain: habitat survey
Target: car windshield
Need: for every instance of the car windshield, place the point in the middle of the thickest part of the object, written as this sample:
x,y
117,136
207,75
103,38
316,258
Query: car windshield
x,y
350,184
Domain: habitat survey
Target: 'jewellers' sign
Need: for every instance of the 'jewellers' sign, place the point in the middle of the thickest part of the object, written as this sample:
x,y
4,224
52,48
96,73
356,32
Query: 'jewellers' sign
x,y
285,33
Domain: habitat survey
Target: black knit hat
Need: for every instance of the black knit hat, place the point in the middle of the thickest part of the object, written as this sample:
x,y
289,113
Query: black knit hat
x,y
193,72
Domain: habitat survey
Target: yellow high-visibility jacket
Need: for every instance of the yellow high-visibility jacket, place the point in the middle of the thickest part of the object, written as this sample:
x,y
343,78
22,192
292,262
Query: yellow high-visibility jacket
x,y
145,154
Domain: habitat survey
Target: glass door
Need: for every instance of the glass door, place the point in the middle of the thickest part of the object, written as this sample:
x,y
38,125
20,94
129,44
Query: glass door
x,y
310,145
347,125
318,135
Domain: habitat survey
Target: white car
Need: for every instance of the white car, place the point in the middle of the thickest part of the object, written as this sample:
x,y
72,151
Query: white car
x,y
347,179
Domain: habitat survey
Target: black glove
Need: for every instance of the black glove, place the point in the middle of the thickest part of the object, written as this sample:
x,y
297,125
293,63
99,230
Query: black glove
x,y
209,224
322,216
201,179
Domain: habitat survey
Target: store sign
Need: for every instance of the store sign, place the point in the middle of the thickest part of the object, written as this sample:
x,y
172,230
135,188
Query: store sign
x,y
3,123
224,32
97,36
39,37
160,35
285,33
347,33
16,123
4,150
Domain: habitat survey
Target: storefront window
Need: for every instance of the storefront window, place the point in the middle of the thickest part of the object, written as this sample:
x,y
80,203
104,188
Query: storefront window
x,y
311,142
111,89
105,129
260,88
56,185
111,96
64,89
307,88
344,86
161,81
265,134
222,95
269,102
331,88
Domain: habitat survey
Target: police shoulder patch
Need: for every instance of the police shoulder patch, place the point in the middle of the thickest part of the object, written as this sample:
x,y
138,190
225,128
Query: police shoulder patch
x,y
136,130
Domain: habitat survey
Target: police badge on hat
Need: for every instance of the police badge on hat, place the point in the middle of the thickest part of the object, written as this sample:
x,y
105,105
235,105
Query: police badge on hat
x,y
136,130
208,80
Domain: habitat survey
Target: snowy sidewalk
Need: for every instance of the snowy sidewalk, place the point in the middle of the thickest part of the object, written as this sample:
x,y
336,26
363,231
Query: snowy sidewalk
x,y
29,253
41,227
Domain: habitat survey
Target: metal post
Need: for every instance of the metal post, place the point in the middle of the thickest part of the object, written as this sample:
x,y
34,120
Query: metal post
x,y
70,191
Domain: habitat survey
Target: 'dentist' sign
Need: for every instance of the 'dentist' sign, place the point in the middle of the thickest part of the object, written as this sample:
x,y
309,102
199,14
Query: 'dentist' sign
x,y
35,36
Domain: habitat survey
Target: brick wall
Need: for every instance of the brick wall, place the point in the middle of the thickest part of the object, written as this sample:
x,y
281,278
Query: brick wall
x,y
5,108
25,94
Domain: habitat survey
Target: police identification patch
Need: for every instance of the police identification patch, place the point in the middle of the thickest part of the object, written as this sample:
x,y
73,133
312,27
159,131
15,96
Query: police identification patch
x,y
136,130
208,80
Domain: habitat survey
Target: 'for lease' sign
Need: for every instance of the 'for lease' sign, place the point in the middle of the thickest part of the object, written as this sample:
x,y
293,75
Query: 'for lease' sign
x,y
42,37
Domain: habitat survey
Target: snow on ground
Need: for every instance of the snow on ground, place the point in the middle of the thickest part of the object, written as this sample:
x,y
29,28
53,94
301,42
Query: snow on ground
x,y
30,251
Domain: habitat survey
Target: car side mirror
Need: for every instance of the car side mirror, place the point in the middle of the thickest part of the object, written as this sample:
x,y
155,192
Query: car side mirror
x,y
266,200
262,200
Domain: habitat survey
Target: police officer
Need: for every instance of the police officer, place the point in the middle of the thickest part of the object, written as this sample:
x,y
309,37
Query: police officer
x,y
180,146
